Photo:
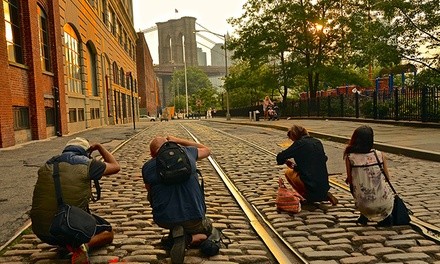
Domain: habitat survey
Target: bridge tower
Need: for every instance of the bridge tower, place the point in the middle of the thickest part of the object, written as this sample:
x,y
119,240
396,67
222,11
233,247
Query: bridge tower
x,y
171,36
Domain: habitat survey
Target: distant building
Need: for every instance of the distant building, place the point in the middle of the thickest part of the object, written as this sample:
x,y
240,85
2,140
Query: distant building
x,y
218,55
67,65
148,83
201,57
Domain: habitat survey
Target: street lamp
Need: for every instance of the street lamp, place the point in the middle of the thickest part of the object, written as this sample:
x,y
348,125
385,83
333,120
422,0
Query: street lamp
x,y
186,78
228,115
130,75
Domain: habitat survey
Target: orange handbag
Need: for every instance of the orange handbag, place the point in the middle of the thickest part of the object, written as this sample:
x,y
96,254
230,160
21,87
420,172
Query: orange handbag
x,y
288,199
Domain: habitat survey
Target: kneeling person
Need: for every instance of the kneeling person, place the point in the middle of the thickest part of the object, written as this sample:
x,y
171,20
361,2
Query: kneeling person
x,y
76,170
308,175
178,207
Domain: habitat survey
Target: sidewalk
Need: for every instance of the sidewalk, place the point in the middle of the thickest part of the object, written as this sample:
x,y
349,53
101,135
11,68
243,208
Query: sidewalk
x,y
417,142
19,165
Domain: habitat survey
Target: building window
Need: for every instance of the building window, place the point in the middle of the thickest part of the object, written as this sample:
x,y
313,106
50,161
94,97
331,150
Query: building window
x,y
94,113
119,32
92,3
122,77
92,70
115,73
50,116
72,115
13,35
81,114
104,11
111,21
44,40
124,105
125,41
71,48
97,113
21,118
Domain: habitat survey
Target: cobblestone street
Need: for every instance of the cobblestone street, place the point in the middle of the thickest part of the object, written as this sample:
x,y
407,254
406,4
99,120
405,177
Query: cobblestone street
x,y
319,233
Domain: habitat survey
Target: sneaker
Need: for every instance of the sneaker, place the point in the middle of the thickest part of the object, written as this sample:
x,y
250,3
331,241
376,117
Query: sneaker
x,y
386,222
362,220
333,200
80,255
177,252
167,242
211,246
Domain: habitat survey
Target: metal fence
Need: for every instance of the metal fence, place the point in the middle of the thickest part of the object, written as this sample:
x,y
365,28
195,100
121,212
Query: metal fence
x,y
400,104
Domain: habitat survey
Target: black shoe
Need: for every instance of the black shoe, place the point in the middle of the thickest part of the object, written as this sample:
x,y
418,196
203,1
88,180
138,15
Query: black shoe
x,y
362,220
167,242
386,222
211,246
177,252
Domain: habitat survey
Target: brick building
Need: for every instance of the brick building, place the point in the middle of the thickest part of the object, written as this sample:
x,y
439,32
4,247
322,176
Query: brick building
x,y
67,65
148,83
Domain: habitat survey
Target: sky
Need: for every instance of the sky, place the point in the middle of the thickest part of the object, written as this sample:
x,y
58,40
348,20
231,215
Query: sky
x,y
210,14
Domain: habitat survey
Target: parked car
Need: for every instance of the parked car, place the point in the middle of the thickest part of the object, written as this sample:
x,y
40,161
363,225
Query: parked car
x,y
147,118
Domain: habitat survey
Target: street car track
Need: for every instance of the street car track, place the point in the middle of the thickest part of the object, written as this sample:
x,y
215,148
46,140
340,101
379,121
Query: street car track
x,y
428,230
28,224
282,251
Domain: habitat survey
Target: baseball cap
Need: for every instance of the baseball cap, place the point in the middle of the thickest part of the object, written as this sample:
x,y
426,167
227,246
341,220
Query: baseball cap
x,y
80,142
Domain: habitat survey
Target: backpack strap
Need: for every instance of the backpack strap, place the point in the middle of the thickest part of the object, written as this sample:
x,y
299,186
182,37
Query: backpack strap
x,y
383,172
98,191
202,185
56,180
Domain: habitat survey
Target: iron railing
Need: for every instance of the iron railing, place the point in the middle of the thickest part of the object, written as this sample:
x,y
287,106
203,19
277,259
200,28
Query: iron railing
x,y
408,104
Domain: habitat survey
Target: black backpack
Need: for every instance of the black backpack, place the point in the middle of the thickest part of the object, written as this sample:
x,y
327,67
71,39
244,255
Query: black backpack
x,y
172,164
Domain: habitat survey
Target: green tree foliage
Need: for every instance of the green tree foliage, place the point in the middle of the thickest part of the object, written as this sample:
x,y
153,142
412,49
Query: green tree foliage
x,y
205,98
201,94
251,84
327,43
196,79
415,26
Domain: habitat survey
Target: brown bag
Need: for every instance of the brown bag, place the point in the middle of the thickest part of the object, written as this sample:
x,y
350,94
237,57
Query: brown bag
x,y
288,200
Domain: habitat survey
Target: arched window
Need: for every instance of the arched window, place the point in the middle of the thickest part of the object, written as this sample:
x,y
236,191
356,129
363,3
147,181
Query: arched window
x,y
44,40
122,77
11,10
72,59
91,66
115,73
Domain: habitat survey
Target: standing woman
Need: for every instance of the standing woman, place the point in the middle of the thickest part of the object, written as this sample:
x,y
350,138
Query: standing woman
x,y
266,103
308,175
372,194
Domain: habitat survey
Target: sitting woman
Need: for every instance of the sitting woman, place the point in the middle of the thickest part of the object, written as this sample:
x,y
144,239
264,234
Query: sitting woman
x,y
308,175
372,195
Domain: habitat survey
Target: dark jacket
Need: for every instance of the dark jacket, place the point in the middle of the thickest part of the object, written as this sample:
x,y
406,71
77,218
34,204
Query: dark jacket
x,y
76,170
175,203
310,159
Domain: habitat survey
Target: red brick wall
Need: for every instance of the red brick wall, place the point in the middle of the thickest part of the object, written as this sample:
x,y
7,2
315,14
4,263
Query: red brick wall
x,y
27,84
146,75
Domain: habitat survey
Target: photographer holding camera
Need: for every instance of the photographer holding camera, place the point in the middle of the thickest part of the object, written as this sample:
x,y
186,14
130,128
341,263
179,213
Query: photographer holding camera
x,y
76,170
308,175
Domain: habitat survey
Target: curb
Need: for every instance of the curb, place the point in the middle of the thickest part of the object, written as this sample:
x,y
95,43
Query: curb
x,y
409,152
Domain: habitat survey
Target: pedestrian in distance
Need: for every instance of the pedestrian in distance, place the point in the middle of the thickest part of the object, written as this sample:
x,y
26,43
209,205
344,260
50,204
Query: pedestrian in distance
x,y
179,207
372,194
77,168
308,173
266,103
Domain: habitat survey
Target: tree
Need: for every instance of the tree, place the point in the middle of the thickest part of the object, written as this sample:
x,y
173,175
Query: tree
x,y
251,84
416,26
263,37
196,80
299,35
